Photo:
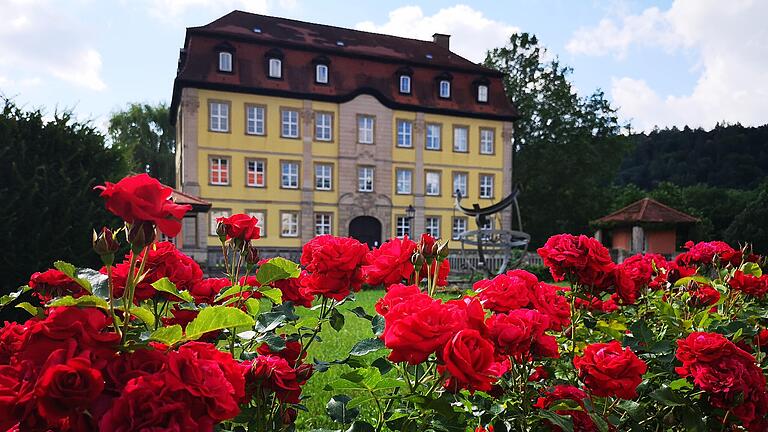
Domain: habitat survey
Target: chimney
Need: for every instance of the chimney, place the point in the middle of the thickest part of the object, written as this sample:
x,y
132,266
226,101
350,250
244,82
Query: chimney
x,y
442,40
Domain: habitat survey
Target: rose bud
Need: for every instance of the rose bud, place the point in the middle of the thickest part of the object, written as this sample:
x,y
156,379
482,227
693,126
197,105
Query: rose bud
x,y
427,246
221,231
443,251
289,416
105,245
251,255
140,234
417,260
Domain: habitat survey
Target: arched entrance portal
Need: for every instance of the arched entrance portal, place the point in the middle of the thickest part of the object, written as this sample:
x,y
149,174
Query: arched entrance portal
x,y
366,229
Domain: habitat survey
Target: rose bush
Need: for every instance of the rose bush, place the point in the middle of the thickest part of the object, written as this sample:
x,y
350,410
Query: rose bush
x,y
150,343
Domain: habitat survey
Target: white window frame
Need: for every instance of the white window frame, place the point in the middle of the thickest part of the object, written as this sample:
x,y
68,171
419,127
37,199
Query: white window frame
x,y
482,93
404,133
289,123
432,226
432,189
261,216
366,126
433,137
213,161
255,119
445,89
461,145
323,126
255,166
289,224
212,224
289,175
402,226
403,181
458,223
225,61
275,68
218,116
365,178
462,185
486,188
324,176
487,141
321,74
405,84
323,223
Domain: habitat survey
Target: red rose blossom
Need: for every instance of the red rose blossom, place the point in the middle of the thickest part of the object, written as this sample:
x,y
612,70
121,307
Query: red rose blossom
x,y
547,299
142,198
749,284
521,334
607,369
506,292
467,357
395,294
390,263
704,253
582,422
703,296
333,266
65,389
582,257
442,272
273,373
205,290
291,289
53,283
240,227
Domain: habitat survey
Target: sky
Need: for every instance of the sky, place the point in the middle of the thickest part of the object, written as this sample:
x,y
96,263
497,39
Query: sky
x,y
660,63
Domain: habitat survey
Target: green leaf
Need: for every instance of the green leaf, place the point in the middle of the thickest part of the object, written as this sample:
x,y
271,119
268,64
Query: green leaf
x,y
28,307
144,315
97,281
666,396
167,335
233,290
377,325
276,269
360,426
252,306
273,294
695,278
337,410
613,329
4,300
85,301
70,270
273,341
269,321
680,383
165,285
751,268
601,424
217,318
366,346
361,313
336,320
359,400
564,423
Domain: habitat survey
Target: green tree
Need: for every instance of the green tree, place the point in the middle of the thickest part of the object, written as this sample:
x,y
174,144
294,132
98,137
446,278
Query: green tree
x,y
567,148
751,225
143,133
49,205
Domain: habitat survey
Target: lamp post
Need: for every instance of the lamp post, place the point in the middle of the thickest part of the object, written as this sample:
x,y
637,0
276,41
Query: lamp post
x,y
410,214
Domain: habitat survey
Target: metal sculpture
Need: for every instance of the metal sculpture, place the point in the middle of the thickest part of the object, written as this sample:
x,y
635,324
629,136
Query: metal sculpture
x,y
508,247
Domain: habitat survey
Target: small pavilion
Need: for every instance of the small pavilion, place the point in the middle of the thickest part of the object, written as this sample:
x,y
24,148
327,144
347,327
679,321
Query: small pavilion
x,y
646,226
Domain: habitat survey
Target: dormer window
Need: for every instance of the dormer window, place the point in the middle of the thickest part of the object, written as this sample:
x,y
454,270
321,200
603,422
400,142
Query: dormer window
x,y
445,89
225,61
405,84
275,68
482,93
321,74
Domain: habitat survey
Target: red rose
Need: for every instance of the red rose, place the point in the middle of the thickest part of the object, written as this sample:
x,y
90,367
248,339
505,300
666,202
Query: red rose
x,y
582,257
521,334
582,422
11,341
760,339
240,227
333,266
11,391
469,313
609,370
547,299
65,389
539,373
205,290
53,283
506,292
703,296
749,284
704,253
677,272
627,290
395,294
130,365
467,357
597,304
290,353
273,374
390,263
291,289
142,198
427,246
442,272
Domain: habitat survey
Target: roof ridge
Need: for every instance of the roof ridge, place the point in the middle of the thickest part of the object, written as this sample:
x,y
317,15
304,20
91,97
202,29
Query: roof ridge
x,y
674,210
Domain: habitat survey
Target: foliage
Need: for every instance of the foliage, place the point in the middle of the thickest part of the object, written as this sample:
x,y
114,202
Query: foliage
x,y
144,134
49,170
750,224
567,147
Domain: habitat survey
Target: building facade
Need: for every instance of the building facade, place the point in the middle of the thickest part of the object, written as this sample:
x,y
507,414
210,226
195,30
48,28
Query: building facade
x,y
316,129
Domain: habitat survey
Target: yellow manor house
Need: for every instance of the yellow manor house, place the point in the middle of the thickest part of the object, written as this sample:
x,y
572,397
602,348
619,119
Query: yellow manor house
x,y
317,130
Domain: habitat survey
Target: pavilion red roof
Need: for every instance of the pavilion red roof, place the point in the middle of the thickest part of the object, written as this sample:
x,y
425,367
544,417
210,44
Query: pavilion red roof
x,y
646,210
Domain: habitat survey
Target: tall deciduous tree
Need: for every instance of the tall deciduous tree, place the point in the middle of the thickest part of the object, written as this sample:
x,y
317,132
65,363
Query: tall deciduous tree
x,y
143,133
568,148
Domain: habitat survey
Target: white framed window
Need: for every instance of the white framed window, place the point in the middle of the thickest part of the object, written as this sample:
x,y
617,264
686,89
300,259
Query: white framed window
x,y
402,226
487,226
445,89
255,117
365,127
215,214
432,183
323,223
486,141
404,133
219,171
255,172
261,217
460,139
321,74
323,126
486,185
432,226
289,224
365,179
405,84
459,227
289,175
460,183
404,180
434,131
225,61
289,123
275,68
324,177
482,93
219,116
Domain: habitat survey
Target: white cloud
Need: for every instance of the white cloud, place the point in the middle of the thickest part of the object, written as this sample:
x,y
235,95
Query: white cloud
x,y
730,42
472,33
45,40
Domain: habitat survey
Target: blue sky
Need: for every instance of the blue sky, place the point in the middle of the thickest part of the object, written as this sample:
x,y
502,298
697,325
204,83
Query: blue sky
x,y
665,63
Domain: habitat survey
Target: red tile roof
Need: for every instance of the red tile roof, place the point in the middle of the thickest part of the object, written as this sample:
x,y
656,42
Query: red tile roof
x,y
646,210
359,63
198,205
